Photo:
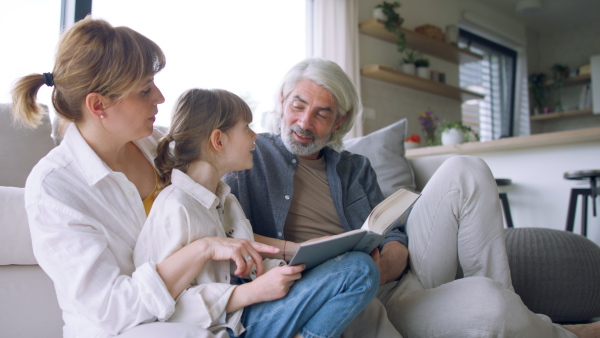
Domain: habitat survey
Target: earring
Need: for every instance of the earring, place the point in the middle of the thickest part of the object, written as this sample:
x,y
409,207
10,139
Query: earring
x,y
102,116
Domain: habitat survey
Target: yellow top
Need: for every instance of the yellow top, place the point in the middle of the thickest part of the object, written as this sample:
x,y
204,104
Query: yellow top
x,y
150,199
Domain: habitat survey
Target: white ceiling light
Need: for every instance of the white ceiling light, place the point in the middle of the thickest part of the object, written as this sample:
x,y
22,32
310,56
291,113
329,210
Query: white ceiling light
x,y
528,7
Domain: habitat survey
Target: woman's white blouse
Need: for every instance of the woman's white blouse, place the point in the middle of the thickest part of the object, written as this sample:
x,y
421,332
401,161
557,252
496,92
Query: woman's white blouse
x,y
85,220
186,211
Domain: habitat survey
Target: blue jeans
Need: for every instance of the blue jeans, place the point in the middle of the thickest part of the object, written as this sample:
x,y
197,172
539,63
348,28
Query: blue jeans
x,y
320,304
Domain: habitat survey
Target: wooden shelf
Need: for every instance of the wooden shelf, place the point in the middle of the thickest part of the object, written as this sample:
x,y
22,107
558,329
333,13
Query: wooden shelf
x,y
511,143
390,75
560,115
420,42
572,81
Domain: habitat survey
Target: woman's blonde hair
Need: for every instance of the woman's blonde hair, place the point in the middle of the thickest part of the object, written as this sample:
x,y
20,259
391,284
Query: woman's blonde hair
x,y
197,113
330,76
92,56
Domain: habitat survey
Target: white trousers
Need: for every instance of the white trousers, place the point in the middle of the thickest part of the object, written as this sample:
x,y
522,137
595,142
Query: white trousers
x,y
165,330
458,219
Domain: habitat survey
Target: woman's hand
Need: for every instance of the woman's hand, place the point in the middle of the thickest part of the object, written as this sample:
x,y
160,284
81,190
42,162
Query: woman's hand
x,y
243,252
274,284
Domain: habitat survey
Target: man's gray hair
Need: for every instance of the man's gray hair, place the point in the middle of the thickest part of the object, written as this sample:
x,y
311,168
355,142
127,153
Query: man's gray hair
x,y
330,76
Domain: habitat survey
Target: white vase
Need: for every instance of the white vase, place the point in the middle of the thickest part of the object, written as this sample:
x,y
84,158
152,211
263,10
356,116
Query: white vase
x,y
378,14
408,68
452,136
423,72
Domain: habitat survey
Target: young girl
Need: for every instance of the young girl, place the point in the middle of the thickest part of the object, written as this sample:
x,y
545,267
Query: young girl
x,y
210,136
86,200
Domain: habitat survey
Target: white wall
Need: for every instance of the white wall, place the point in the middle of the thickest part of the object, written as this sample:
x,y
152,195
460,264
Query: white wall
x,y
539,195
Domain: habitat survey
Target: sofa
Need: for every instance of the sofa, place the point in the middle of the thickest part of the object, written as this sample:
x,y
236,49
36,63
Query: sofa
x,y
554,272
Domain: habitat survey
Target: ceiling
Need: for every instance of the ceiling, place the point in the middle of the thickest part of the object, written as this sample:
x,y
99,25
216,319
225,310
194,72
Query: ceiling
x,y
555,14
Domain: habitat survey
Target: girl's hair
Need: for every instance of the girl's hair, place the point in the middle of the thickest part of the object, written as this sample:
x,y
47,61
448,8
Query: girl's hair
x,y
198,112
330,76
92,56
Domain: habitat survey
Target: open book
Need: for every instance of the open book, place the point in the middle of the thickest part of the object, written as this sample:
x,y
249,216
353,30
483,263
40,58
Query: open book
x,y
391,213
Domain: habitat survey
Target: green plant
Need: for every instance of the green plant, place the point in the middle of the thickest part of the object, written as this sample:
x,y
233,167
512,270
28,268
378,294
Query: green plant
x,y
409,56
559,74
470,134
393,22
537,82
422,62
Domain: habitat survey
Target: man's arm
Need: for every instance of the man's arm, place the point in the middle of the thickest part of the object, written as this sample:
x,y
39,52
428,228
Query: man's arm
x,y
392,261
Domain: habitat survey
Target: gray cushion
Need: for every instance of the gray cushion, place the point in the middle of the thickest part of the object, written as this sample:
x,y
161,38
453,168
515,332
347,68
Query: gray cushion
x,y
556,273
21,147
385,150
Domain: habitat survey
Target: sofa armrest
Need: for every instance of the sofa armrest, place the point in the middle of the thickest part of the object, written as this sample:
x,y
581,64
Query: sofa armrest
x,y
15,239
424,167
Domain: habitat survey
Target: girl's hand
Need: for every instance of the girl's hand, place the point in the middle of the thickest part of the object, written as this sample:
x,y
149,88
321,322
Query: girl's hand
x,y
243,252
275,284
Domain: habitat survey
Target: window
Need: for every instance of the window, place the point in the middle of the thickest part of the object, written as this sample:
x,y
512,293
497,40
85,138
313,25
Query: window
x,y
494,76
241,46
30,31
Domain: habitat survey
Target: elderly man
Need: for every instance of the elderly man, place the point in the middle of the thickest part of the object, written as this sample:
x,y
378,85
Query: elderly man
x,y
302,186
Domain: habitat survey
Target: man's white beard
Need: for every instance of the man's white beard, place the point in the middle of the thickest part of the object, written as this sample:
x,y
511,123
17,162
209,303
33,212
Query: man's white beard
x,y
301,149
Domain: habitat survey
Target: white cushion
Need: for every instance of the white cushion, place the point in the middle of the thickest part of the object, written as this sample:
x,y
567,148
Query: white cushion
x,y
15,239
21,147
385,150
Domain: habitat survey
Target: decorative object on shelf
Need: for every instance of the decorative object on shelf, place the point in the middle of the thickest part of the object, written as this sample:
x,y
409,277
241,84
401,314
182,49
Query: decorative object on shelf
x,y
537,84
451,35
584,69
455,132
412,142
429,124
408,62
559,74
431,31
422,65
437,76
392,21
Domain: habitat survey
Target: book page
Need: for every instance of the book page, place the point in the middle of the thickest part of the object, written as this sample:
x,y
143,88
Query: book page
x,y
389,210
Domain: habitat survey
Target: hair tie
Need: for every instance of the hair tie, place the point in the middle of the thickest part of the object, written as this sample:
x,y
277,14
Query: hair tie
x,y
168,138
49,79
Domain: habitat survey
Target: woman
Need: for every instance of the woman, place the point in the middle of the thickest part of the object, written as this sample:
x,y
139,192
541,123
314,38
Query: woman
x,y
87,200
210,136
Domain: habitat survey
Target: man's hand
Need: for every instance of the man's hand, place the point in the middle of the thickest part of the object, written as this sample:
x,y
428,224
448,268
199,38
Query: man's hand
x,y
392,260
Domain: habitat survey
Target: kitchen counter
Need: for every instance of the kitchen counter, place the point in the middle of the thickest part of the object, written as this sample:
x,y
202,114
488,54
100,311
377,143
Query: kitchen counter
x,y
510,143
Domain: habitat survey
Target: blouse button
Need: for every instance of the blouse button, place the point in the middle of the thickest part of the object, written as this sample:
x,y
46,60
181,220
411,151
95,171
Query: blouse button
x,y
294,161
130,192
287,197
279,234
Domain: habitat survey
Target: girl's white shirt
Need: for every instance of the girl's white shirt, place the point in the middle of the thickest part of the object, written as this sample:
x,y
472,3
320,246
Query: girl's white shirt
x,y
182,213
85,220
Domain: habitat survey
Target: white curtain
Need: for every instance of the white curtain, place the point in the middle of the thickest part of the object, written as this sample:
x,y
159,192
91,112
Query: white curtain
x,y
333,34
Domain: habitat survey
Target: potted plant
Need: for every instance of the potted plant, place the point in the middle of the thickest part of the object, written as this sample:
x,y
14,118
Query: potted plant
x,y
422,65
537,84
559,74
455,132
392,21
408,62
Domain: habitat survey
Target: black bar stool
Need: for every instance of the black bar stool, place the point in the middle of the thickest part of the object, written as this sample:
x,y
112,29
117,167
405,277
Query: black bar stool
x,y
504,200
592,191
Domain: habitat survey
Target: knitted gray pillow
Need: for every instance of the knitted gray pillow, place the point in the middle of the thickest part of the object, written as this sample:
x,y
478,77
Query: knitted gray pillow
x,y
556,273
